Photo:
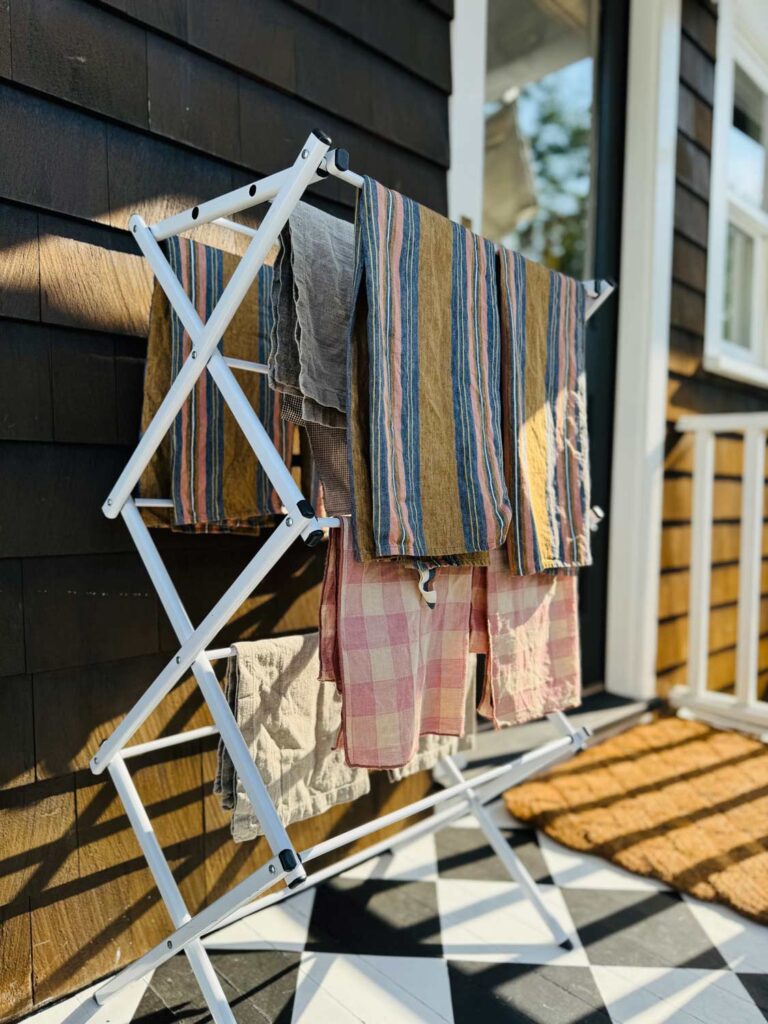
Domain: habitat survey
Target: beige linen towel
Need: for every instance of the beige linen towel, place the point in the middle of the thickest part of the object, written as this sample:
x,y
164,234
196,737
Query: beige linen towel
x,y
290,722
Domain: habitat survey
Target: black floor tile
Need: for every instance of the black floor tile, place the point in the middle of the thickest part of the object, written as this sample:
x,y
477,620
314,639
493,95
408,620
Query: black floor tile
x,y
152,1010
757,986
640,929
517,993
465,853
380,918
259,986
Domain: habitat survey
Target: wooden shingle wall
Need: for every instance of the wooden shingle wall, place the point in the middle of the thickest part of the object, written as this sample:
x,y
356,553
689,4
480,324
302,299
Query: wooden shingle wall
x,y
108,108
691,390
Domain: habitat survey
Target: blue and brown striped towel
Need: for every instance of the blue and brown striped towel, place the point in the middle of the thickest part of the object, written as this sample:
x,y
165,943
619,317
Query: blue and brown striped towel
x,y
215,480
424,403
546,451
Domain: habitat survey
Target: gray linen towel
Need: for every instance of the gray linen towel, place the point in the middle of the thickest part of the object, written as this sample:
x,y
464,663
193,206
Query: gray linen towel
x,y
312,306
328,447
290,722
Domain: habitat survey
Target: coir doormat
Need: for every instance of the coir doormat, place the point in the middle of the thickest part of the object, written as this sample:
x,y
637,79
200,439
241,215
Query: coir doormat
x,y
674,800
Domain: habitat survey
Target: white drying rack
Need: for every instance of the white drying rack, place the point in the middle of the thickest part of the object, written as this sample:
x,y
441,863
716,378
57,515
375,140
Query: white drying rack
x,y
283,191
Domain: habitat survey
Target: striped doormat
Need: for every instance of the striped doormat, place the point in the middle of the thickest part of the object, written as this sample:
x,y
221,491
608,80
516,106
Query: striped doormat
x,y
674,800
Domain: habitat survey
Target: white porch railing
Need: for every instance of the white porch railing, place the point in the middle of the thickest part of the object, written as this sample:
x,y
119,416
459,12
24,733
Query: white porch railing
x,y
741,708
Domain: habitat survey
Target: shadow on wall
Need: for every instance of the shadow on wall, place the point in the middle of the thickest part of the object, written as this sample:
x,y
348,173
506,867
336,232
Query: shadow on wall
x,y
83,633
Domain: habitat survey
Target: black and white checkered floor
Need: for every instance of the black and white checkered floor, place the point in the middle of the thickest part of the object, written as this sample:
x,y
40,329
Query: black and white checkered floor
x,y
436,932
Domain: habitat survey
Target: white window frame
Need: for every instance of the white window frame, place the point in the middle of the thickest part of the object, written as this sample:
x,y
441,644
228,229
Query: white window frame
x,y
720,355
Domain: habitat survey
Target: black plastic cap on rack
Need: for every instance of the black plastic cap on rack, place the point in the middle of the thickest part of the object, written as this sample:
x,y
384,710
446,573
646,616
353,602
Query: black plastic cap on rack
x,y
288,859
314,538
567,944
341,157
322,136
289,862
305,508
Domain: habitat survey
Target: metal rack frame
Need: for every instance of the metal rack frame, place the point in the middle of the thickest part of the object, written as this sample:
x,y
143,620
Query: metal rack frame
x,y
283,191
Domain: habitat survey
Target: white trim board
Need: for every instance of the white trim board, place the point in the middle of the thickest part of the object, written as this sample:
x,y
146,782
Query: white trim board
x,y
643,348
466,114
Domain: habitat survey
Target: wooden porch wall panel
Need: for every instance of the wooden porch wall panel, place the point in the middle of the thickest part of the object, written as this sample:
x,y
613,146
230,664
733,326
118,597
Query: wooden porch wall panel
x,y
85,144
380,30
692,390
126,73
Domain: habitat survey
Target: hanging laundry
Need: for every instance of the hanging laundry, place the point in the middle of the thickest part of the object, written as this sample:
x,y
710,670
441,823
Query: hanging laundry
x,y
312,301
533,663
432,748
401,667
544,414
424,388
290,722
205,462
328,449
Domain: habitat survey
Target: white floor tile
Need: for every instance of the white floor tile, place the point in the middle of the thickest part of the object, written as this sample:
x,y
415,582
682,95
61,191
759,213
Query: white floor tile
x,y
650,995
120,1010
743,943
493,921
283,926
573,870
416,862
377,990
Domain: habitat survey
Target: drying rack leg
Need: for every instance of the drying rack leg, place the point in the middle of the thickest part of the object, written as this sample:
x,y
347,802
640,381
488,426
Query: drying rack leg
x,y
199,960
508,857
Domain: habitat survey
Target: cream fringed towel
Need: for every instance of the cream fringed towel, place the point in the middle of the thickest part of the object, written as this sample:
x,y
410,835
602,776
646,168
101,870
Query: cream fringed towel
x,y
290,722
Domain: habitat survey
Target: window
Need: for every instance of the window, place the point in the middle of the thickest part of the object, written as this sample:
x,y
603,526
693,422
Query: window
x,y
736,343
538,129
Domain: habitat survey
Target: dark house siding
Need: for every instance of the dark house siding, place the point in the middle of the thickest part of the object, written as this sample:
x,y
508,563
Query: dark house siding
x,y
692,390
109,108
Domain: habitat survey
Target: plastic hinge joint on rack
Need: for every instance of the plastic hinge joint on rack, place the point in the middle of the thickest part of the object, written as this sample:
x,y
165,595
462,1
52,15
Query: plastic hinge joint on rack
x,y
283,191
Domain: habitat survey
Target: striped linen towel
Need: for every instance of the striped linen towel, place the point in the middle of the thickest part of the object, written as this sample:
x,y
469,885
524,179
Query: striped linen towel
x,y
544,413
401,668
206,464
423,399
533,663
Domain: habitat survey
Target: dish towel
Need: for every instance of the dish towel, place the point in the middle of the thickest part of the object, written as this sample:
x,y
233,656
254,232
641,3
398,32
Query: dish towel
x,y
403,670
290,722
312,303
546,451
205,462
432,748
328,448
401,667
533,661
424,404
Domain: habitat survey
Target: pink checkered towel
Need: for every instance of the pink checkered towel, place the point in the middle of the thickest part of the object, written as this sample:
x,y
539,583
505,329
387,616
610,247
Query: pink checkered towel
x,y
401,667
533,664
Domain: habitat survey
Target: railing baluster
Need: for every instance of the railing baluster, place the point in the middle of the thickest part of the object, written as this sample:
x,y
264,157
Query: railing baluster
x,y
701,560
750,565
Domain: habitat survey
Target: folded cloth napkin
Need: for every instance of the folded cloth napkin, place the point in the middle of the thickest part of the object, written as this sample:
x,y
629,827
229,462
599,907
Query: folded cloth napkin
x,y
544,414
290,722
424,403
400,666
533,662
205,463
312,302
